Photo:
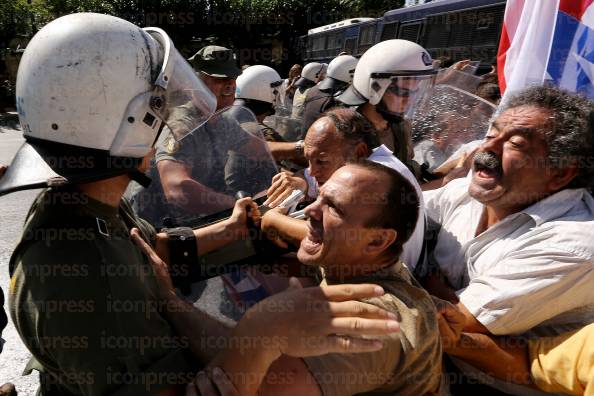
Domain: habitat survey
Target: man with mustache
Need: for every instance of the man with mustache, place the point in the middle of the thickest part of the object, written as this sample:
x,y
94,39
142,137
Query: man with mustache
x,y
514,246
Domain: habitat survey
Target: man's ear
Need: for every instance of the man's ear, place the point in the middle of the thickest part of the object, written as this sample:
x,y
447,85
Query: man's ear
x,y
561,177
380,240
361,151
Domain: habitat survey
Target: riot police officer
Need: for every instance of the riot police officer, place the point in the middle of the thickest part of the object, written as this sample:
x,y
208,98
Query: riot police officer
x,y
389,80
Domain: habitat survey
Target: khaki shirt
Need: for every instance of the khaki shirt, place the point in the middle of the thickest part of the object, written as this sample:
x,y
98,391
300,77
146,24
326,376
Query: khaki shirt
x,y
410,361
85,301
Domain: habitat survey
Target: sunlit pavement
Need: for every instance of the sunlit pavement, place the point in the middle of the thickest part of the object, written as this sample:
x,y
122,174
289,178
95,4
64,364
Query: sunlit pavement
x,y
13,208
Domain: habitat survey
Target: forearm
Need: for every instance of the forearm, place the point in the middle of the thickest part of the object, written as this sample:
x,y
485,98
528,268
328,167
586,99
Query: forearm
x,y
472,324
199,330
287,228
215,236
502,358
244,362
432,185
195,198
208,238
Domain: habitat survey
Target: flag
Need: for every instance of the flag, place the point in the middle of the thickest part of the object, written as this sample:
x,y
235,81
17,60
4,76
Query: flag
x,y
547,41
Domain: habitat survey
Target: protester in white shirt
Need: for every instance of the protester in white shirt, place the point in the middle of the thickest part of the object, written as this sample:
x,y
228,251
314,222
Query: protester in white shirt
x,y
340,136
515,243
515,250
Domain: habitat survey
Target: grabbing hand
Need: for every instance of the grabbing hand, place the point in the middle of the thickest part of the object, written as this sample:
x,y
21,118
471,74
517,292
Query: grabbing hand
x,y
460,65
243,208
314,321
217,384
159,266
461,169
451,321
283,184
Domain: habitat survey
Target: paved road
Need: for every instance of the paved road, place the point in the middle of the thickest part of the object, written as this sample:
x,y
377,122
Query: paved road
x,y
13,208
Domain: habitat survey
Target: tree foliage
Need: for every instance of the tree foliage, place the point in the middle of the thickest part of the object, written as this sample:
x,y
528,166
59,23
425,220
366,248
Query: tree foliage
x,y
246,25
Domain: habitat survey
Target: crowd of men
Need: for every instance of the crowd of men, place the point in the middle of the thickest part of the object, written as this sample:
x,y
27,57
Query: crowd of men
x,y
475,278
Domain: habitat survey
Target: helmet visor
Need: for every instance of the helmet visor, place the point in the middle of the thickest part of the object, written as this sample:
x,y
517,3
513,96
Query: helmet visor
x,y
403,93
226,155
186,102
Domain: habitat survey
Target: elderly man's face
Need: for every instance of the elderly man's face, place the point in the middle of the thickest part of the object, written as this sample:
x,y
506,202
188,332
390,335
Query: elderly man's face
x,y
510,171
337,232
325,150
222,87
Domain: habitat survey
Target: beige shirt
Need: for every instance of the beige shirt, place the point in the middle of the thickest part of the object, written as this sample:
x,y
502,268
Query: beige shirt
x,y
409,363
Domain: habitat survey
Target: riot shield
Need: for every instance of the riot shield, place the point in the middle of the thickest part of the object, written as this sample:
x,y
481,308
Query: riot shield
x,y
196,179
289,128
449,120
459,79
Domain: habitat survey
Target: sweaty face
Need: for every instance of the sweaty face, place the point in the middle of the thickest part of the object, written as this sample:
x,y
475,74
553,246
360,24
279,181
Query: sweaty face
x,y
325,150
222,87
337,234
510,171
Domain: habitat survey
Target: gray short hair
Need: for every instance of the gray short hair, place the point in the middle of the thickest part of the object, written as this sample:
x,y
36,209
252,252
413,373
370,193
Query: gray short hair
x,y
352,126
570,138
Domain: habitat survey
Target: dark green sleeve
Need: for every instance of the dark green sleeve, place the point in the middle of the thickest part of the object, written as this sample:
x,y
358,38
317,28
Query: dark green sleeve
x,y
96,330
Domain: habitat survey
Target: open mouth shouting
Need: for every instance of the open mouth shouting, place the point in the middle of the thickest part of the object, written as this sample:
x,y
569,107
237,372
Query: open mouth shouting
x,y
487,167
312,243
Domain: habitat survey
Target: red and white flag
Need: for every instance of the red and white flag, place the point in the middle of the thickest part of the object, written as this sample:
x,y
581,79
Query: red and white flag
x,y
547,41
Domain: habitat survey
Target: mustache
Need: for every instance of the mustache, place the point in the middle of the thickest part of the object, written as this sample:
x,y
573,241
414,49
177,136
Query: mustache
x,y
487,160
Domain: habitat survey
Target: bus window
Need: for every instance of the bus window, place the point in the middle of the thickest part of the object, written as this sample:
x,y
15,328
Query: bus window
x,y
488,26
365,38
389,31
437,32
350,45
410,31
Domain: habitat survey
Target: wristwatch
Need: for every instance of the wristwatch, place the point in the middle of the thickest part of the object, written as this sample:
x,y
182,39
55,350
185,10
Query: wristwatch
x,y
299,148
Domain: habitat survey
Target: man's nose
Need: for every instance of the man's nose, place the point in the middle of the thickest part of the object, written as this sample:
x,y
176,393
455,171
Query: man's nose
x,y
494,145
314,169
313,210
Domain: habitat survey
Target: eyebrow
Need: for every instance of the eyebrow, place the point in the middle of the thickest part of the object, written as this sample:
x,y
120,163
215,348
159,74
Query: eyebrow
x,y
516,130
332,202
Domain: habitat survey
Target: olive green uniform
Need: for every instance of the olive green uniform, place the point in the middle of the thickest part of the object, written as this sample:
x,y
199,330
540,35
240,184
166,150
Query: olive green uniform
x,y
85,301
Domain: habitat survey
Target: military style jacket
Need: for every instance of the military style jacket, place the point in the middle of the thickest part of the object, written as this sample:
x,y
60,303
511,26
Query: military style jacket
x,y
85,301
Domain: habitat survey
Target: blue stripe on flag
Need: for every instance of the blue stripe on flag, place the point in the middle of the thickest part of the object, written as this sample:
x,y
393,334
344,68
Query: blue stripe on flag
x,y
571,62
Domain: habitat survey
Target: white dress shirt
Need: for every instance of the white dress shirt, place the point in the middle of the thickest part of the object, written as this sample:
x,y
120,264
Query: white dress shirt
x,y
534,267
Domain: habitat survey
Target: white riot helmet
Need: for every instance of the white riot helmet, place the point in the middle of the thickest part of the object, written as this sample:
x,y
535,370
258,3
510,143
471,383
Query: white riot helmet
x,y
392,74
258,88
340,73
260,83
310,74
98,88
